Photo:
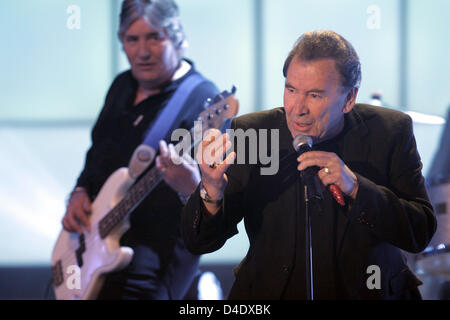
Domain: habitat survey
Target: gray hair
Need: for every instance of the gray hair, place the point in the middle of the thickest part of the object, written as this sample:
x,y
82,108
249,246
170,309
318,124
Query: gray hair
x,y
315,45
160,13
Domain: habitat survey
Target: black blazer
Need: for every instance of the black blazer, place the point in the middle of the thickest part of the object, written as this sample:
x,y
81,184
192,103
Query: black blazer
x,y
391,212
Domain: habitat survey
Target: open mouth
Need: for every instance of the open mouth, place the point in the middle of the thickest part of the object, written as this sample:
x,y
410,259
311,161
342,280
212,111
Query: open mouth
x,y
303,126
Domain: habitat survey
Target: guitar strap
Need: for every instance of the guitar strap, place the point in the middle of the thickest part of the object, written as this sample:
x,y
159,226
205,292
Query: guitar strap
x,y
166,118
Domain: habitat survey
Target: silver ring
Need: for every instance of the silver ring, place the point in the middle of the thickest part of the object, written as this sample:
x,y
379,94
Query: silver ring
x,y
327,171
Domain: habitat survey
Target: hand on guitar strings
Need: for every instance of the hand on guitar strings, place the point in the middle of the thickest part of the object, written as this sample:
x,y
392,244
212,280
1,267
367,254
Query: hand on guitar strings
x,y
77,212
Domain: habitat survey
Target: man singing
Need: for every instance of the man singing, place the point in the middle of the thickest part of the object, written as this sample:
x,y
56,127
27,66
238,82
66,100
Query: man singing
x,y
367,152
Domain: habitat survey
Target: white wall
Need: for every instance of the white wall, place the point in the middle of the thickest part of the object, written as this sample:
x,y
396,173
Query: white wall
x,y
48,70
429,56
38,167
378,49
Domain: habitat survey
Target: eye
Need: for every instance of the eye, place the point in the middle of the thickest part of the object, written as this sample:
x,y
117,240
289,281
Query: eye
x,y
131,39
315,95
154,36
290,89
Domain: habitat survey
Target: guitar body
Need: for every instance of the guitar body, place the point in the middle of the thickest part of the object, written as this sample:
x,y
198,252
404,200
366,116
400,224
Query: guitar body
x,y
94,256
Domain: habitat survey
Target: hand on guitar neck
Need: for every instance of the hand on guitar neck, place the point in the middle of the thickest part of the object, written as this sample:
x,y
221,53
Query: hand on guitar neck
x,y
180,173
77,211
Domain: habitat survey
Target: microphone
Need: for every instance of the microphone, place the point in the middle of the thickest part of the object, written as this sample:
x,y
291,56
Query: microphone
x,y
303,143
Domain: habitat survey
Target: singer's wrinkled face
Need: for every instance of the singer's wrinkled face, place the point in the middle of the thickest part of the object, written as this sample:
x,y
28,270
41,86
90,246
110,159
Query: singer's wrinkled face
x,y
315,100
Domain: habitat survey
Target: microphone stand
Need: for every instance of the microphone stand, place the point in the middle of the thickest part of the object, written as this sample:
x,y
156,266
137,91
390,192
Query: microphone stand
x,y
313,198
308,249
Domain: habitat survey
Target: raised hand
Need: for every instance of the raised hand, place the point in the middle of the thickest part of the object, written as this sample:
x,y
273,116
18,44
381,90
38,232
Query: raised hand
x,y
210,158
180,173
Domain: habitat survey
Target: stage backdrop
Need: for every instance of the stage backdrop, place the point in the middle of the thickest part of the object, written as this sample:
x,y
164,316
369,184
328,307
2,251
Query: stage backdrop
x,y
59,57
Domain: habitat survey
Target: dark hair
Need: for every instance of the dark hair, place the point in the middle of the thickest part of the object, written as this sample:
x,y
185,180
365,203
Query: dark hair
x,y
315,45
160,13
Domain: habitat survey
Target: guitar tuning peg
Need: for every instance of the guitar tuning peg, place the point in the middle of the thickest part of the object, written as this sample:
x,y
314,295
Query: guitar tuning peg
x,y
207,103
219,111
218,98
225,106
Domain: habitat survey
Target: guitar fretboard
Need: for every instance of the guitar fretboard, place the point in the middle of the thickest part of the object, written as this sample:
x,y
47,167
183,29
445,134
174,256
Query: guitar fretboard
x,y
132,198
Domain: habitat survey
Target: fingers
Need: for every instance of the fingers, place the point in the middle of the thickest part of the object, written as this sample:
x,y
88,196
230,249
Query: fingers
x,y
77,214
204,144
328,178
317,158
229,160
74,220
189,160
168,155
210,158
213,148
216,151
159,165
87,206
173,154
164,154
70,224
179,169
332,169
163,149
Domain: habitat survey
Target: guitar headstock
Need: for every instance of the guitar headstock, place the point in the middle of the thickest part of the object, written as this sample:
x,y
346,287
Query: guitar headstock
x,y
220,109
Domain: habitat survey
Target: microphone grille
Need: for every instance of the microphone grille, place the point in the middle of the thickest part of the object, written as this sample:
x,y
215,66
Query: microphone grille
x,y
301,140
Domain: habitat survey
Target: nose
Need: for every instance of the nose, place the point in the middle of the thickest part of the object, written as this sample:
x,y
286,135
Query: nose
x,y
300,107
143,50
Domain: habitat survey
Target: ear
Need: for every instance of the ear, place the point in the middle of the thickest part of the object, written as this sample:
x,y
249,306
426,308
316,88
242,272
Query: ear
x,y
350,100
